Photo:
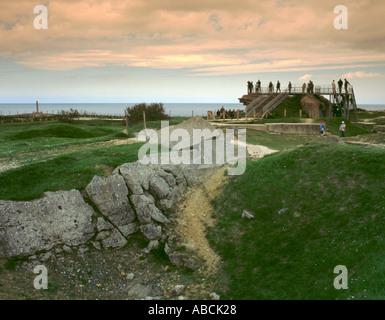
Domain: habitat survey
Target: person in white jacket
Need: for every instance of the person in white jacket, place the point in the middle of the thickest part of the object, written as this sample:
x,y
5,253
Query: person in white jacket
x,y
343,128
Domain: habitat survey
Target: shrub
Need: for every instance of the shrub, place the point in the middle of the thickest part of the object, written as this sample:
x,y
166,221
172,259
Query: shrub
x,y
154,111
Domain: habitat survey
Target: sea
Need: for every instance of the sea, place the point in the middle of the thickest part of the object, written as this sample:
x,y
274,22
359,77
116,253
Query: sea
x,y
117,109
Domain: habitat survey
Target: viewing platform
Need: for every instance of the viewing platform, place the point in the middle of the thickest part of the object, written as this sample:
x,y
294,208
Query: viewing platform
x,y
263,101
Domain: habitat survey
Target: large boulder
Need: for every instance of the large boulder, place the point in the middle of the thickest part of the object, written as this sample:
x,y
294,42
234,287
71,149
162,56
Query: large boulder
x,y
110,195
57,219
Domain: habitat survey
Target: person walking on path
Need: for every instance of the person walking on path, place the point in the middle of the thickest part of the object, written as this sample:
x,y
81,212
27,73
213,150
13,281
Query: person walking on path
x,y
343,128
270,87
322,128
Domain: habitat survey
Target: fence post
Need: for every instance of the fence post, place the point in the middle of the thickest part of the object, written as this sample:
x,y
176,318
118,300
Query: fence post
x,y
126,119
144,119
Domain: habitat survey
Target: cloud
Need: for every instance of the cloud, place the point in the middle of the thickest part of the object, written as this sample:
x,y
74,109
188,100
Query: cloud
x,y
305,77
214,22
362,75
198,35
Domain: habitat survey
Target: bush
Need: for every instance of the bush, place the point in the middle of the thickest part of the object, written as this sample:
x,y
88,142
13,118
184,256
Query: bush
x,y
68,116
154,111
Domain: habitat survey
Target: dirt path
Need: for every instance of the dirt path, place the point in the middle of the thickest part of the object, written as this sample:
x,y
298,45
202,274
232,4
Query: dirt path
x,y
194,216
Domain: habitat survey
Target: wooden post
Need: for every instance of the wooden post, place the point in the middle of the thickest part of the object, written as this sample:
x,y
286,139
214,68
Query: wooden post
x,y
300,113
144,119
37,106
238,114
126,119
347,106
284,113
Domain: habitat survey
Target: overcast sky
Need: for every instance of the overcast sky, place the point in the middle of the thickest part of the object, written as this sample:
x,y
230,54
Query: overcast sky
x,y
186,51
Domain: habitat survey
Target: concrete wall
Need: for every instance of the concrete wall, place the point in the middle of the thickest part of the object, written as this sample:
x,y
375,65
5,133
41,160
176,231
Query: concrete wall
x,y
285,128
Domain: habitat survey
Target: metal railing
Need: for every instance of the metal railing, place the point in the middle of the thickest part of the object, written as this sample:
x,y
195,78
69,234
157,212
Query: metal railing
x,y
298,89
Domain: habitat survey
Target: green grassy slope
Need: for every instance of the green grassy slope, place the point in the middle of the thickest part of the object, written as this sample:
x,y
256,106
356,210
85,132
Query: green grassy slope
x,y
315,207
70,171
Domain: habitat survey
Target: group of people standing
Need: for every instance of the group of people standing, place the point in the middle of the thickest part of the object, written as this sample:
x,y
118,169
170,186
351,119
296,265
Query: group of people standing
x,y
340,83
231,113
306,88
250,86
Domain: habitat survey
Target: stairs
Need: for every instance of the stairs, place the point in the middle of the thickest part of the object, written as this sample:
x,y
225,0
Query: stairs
x,y
266,103
354,105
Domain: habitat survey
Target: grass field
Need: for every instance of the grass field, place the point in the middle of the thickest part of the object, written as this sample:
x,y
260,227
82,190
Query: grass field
x,y
61,156
315,207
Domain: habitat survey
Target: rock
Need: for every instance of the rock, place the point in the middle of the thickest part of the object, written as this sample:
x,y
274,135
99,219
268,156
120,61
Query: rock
x,y
139,291
247,214
151,231
102,224
178,289
136,175
214,296
96,245
191,264
153,245
58,218
159,187
130,276
129,229
175,257
110,195
141,203
113,239
156,214
168,177
146,210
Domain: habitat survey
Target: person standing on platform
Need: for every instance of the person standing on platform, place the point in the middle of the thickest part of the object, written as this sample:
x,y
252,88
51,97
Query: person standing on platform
x,y
278,86
303,88
346,82
334,87
289,87
340,83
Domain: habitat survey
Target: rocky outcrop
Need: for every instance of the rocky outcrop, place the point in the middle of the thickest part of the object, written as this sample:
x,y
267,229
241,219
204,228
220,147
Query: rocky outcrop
x,y
134,198
57,219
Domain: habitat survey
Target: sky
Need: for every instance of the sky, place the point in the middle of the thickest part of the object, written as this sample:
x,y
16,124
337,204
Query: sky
x,y
186,51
